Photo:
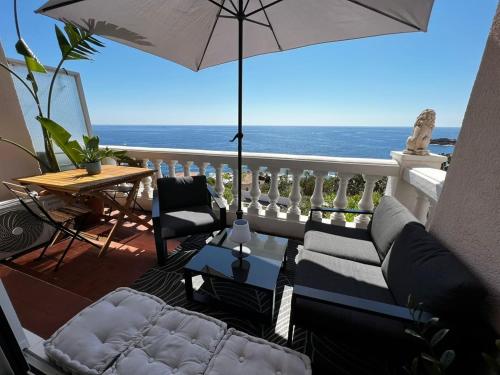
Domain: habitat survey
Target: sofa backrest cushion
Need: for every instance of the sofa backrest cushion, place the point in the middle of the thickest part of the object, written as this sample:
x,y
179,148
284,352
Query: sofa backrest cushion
x,y
388,220
182,192
419,265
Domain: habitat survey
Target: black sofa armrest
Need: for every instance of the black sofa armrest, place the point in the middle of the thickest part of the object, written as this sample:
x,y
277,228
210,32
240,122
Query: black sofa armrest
x,y
358,304
343,210
216,197
220,204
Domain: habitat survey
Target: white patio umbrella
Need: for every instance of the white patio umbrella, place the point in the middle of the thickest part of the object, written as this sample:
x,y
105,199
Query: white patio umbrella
x,y
202,33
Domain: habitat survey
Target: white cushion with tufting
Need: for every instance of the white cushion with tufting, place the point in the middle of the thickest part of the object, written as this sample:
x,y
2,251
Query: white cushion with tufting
x,y
128,332
179,342
242,354
91,340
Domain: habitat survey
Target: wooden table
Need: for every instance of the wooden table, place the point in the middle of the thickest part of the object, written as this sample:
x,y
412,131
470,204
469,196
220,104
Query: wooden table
x,y
78,182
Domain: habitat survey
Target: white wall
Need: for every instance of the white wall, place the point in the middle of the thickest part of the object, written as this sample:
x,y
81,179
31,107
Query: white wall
x,y
467,216
13,162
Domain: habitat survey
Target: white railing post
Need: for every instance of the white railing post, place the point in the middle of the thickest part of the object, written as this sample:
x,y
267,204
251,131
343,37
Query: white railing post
x,y
272,209
187,168
147,187
219,181
366,201
171,168
203,168
255,207
338,218
317,197
295,197
234,203
157,163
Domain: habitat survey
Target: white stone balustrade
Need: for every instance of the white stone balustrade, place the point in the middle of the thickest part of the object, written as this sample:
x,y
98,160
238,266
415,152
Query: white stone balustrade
x,y
317,199
234,190
288,222
254,207
427,184
295,197
338,218
273,209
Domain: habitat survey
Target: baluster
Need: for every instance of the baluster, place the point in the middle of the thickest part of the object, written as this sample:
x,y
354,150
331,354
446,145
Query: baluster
x,y
187,168
234,204
295,197
146,182
203,168
421,207
274,194
340,201
255,192
317,197
366,201
171,168
157,163
219,181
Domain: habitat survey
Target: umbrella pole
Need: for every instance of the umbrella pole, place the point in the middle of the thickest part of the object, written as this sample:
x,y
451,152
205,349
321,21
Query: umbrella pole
x,y
241,17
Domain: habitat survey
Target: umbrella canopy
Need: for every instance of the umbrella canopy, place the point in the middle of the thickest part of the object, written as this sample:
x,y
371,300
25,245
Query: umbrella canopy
x,y
202,33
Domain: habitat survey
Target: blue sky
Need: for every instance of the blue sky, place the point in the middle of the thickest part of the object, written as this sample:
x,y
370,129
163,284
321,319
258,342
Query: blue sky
x,y
384,80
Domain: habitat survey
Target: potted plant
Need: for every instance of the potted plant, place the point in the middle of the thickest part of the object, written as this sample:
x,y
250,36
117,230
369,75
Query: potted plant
x,y
91,155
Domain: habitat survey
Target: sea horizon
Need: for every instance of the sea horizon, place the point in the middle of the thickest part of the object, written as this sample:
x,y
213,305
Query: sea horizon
x,y
340,141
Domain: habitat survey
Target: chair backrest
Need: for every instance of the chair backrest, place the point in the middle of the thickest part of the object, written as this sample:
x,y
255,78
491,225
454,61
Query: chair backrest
x,y
30,201
388,221
182,192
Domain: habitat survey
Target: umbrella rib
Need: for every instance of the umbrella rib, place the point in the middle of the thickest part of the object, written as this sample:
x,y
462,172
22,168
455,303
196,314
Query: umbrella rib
x,y
271,26
211,33
221,6
385,14
264,7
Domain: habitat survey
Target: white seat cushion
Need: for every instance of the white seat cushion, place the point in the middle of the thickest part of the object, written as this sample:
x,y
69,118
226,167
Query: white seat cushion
x,y
241,354
91,340
179,342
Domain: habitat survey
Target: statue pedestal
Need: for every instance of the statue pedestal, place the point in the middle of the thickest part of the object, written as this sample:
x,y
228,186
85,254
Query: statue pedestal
x,y
412,161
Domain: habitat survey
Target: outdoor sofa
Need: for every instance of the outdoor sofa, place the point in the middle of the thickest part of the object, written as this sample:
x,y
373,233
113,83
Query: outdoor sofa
x,y
359,280
129,333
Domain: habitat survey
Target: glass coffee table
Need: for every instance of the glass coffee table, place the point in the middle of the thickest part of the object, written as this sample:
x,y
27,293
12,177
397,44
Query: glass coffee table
x,y
259,270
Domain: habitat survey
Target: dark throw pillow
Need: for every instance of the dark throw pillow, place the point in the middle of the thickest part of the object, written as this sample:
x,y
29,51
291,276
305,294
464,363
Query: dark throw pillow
x,y
420,265
182,192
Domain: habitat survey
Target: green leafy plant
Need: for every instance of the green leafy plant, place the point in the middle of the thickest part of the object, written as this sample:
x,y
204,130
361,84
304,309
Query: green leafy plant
x,y
91,153
432,360
75,43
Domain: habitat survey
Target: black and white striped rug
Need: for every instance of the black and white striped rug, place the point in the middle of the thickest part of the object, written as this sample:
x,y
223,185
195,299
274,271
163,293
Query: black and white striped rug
x,y
329,355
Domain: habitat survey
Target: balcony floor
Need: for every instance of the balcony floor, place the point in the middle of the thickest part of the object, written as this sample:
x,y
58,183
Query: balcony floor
x,y
45,299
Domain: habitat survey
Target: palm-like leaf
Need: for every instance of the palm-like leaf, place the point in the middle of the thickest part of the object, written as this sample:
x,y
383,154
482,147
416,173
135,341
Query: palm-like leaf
x,y
62,138
76,43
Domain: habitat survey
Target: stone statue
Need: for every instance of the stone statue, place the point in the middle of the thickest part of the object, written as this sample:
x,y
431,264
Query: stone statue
x,y
418,142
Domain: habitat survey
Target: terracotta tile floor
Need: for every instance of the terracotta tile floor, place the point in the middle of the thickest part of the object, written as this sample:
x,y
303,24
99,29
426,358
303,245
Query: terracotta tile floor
x,y
45,299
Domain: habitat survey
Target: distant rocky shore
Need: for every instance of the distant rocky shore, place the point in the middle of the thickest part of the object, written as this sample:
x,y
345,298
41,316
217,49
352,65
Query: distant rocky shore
x,y
443,141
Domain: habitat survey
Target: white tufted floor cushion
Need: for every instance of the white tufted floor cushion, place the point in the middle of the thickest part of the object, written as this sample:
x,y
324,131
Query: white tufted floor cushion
x,y
91,340
179,342
242,354
127,332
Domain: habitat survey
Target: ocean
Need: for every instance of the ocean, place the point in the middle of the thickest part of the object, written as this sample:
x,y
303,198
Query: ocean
x,y
342,141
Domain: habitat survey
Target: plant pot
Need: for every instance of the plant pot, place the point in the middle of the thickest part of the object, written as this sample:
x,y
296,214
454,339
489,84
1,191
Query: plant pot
x,y
93,168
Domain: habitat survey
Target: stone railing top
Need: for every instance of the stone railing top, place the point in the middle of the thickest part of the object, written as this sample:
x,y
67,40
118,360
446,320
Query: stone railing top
x,y
427,180
382,167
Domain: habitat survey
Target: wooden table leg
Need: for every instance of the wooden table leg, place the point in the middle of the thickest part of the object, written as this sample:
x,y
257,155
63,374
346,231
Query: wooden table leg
x,y
121,215
127,211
